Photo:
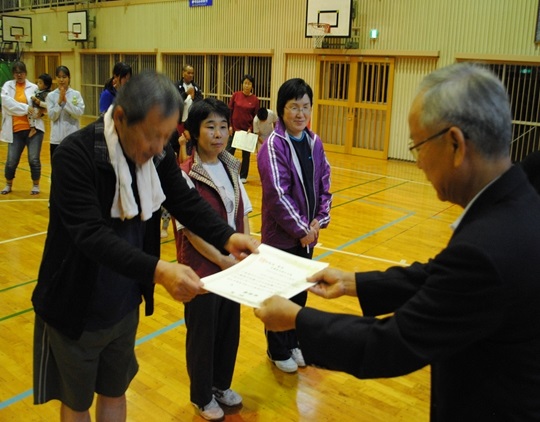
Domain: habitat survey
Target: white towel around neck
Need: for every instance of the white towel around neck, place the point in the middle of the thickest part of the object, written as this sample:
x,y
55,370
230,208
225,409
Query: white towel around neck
x,y
151,194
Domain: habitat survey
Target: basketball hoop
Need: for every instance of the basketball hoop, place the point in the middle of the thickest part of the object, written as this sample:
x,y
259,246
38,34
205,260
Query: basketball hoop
x,y
18,37
319,30
72,36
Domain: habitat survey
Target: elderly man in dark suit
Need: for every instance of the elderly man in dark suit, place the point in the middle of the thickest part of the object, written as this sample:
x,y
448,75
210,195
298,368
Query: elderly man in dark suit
x,y
473,311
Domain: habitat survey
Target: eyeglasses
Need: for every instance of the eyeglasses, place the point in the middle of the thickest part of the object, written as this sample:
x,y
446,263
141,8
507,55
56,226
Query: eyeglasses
x,y
19,73
296,110
414,148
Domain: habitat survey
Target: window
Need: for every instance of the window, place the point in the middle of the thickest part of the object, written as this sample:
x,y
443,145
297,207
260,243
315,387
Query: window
x,y
522,83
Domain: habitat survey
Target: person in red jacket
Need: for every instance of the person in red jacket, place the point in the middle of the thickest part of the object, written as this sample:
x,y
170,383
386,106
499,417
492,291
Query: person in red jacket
x,y
244,106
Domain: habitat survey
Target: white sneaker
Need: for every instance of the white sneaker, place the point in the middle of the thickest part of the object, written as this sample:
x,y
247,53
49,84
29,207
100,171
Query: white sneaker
x,y
227,397
243,180
164,234
288,365
298,357
212,411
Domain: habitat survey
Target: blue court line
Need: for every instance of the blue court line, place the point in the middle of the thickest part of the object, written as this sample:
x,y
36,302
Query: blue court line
x,y
159,332
15,399
27,393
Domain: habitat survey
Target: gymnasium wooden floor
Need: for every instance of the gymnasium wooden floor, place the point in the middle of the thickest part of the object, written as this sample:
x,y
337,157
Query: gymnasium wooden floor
x,y
384,213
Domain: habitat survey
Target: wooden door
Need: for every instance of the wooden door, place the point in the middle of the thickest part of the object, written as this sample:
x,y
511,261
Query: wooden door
x,y
353,104
47,63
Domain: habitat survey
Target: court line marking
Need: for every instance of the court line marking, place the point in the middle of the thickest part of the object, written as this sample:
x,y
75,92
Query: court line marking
x,y
15,239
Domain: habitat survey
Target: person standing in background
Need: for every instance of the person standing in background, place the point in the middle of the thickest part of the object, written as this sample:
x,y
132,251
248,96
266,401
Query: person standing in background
x,y
17,109
244,106
182,146
189,90
263,124
190,93
296,199
65,107
121,74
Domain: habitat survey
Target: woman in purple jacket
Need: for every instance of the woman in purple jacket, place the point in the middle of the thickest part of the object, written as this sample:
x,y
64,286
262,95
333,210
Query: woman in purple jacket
x,y
295,177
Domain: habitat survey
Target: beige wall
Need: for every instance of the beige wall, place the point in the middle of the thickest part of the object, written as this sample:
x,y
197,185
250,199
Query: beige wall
x,y
479,27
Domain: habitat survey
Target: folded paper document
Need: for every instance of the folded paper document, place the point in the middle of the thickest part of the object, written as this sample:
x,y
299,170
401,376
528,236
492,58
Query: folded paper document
x,y
244,140
259,276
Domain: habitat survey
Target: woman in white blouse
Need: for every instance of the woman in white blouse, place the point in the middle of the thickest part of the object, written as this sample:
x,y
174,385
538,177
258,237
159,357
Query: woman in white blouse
x,y
65,107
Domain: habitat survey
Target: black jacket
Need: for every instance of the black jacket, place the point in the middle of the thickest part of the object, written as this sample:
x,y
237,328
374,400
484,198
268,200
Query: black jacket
x,y
80,238
472,313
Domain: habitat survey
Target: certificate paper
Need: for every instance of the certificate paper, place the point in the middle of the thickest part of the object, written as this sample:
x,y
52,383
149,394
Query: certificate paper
x,y
244,140
259,276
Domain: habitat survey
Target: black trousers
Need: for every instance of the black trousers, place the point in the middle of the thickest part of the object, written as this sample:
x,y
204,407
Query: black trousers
x,y
281,343
246,155
213,333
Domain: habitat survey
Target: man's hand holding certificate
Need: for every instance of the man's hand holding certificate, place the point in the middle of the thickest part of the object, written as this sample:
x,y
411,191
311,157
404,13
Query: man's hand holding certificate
x,y
262,275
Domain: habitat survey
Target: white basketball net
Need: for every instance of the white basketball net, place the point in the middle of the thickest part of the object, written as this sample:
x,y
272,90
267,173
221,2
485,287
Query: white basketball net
x,y
319,30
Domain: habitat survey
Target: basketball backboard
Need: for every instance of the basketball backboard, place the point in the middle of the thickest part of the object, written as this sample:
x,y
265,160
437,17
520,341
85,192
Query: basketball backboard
x,y
16,28
77,26
336,13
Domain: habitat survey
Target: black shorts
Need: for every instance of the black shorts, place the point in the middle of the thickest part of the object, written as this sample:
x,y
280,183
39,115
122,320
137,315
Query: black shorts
x,y
71,371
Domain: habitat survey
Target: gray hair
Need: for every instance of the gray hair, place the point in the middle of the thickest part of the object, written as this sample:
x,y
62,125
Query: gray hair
x,y
471,97
146,90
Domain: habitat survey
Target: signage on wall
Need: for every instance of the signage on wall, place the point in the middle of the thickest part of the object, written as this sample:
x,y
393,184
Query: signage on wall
x,y
195,3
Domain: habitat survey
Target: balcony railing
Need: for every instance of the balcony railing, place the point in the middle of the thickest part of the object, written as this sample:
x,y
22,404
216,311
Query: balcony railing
x,y
7,6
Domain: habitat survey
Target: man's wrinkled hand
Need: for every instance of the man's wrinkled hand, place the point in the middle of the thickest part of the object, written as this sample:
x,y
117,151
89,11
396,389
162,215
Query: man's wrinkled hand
x,y
332,283
278,313
242,245
180,281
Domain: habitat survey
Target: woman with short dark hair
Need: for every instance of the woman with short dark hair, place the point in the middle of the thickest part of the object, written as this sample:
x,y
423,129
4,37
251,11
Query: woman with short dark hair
x,y
244,106
16,108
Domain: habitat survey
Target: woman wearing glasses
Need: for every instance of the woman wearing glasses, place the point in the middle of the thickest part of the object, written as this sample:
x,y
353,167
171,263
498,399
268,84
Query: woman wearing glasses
x,y
296,200
16,108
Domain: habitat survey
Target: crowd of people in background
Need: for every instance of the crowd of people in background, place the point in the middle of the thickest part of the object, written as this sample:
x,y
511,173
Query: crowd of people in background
x,y
23,106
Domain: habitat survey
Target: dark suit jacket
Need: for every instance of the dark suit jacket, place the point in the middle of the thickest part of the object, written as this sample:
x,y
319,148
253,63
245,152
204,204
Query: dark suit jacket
x,y
472,313
531,166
